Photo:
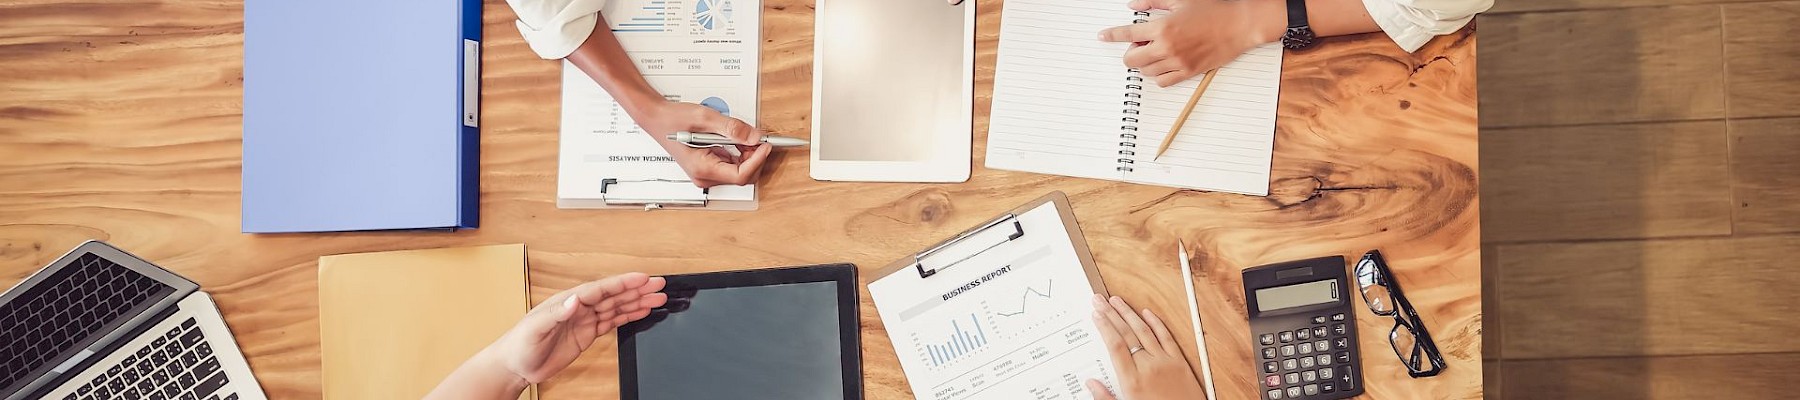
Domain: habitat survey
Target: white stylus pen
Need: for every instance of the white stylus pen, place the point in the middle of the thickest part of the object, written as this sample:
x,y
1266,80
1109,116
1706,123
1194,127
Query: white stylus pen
x,y
1187,277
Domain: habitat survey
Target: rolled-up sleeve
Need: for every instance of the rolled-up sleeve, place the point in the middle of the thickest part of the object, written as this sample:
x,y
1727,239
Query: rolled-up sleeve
x,y
554,28
1411,23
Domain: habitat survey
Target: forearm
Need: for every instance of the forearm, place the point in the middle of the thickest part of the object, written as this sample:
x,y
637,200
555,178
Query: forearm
x,y
480,378
603,59
1327,18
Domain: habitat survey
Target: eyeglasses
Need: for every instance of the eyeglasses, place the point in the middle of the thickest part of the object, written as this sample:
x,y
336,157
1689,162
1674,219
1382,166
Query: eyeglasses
x,y
1410,340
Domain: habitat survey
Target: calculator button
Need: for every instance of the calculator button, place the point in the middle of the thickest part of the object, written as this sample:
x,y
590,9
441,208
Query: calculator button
x,y
1327,387
1268,339
1270,368
1343,357
1306,362
1306,348
1272,380
1293,391
1319,332
1342,343
1309,376
1337,317
1325,374
1290,364
1346,381
1287,337
1287,351
1319,319
1321,345
1324,359
1275,394
1311,390
1303,334
1291,378
1268,353
1339,329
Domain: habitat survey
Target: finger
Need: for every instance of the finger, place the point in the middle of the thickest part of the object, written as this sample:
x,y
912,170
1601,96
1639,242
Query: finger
x,y
1138,329
732,128
1144,5
1173,78
1160,67
1115,342
1130,33
653,285
745,172
1169,346
591,293
1099,390
1142,56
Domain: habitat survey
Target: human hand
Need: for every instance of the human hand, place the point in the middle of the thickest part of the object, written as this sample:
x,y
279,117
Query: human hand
x,y
711,166
1199,36
1150,363
555,332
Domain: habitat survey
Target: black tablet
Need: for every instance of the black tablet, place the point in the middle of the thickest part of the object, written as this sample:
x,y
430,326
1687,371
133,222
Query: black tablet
x,y
783,333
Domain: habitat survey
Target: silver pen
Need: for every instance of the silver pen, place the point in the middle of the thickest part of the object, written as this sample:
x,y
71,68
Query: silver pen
x,y
703,139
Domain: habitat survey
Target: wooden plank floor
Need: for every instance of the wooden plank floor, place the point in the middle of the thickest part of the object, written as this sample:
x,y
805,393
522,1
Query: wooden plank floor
x,y
1642,196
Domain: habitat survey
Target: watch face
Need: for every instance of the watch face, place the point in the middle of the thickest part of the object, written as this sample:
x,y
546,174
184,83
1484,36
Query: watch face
x,y
1297,37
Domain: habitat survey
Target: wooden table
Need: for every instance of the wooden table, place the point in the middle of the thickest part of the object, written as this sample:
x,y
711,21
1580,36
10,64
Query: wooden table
x,y
121,120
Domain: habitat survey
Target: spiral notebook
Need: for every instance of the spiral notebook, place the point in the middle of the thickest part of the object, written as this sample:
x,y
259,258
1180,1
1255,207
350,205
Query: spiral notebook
x,y
1065,104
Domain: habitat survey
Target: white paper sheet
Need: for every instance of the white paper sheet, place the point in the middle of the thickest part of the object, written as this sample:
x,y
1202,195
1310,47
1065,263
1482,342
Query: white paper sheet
x,y
696,51
1012,322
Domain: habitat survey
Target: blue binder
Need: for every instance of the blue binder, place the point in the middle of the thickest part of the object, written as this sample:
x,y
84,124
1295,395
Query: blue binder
x,y
360,115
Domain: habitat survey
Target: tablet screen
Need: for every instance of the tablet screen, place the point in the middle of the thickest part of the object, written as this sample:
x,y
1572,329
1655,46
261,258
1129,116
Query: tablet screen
x,y
771,341
891,79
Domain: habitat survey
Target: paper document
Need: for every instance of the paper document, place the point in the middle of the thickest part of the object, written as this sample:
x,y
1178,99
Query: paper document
x,y
1007,322
695,51
1065,104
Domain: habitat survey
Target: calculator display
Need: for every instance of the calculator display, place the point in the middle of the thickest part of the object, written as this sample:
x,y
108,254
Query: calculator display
x,y
1297,295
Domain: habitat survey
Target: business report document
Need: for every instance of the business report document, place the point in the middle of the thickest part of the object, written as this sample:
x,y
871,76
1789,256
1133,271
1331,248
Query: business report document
x,y
1065,104
1012,322
696,51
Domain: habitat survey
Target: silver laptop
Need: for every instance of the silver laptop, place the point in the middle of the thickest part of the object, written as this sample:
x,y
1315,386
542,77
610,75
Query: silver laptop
x,y
98,323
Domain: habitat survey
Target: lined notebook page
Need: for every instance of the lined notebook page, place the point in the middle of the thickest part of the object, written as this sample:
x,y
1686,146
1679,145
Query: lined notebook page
x,y
1228,139
1059,91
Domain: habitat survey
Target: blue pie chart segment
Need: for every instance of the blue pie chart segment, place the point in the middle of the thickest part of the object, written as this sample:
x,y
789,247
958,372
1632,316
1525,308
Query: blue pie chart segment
x,y
717,104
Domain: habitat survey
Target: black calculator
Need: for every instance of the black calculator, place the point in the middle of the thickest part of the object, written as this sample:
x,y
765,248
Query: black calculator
x,y
1304,329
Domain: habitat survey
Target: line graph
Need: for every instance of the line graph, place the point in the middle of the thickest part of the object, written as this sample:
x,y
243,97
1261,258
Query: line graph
x,y
1025,299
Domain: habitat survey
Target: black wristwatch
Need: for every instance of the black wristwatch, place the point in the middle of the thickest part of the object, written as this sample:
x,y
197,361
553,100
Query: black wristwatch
x,y
1299,34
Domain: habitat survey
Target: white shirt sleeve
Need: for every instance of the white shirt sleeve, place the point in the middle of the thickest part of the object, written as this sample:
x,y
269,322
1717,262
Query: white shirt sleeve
x,y
1411,23
554,28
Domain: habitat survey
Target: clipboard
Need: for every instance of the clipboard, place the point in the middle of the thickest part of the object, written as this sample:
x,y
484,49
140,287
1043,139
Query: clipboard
x,y
966,326
656,194
997,232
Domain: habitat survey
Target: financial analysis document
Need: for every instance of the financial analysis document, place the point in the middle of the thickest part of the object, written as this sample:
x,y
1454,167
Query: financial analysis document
x,y
1013,322
695,51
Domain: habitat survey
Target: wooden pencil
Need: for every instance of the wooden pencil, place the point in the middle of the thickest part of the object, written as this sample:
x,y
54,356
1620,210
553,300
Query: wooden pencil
x,y
1182,118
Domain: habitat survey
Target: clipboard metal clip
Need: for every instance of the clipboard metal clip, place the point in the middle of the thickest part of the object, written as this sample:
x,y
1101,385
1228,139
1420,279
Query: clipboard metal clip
x,y
1018,230
648,204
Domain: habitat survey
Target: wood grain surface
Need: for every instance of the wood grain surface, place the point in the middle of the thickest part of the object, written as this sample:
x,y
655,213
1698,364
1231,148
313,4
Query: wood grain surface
x,y
120,120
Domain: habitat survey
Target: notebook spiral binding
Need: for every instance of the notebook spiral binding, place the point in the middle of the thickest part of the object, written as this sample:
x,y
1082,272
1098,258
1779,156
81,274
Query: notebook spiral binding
x,y
1134,93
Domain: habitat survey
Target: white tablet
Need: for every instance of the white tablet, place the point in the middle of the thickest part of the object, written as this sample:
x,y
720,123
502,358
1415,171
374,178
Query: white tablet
x,y
893,90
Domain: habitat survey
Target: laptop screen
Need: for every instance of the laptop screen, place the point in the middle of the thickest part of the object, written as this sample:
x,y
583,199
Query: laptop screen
x,y
69,310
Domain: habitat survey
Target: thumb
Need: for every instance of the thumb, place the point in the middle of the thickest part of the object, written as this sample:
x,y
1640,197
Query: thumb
x,y
733,128
1099,390
1146,5
568,308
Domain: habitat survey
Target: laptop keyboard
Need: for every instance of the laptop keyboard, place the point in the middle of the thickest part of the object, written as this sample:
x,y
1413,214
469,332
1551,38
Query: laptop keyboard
x,y
178,365
74,303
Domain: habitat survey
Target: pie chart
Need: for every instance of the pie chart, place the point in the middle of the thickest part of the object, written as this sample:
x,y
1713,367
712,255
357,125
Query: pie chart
x,y
717,104
708,13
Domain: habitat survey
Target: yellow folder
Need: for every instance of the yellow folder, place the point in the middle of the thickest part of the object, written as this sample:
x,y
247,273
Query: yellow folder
x,y
394,324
